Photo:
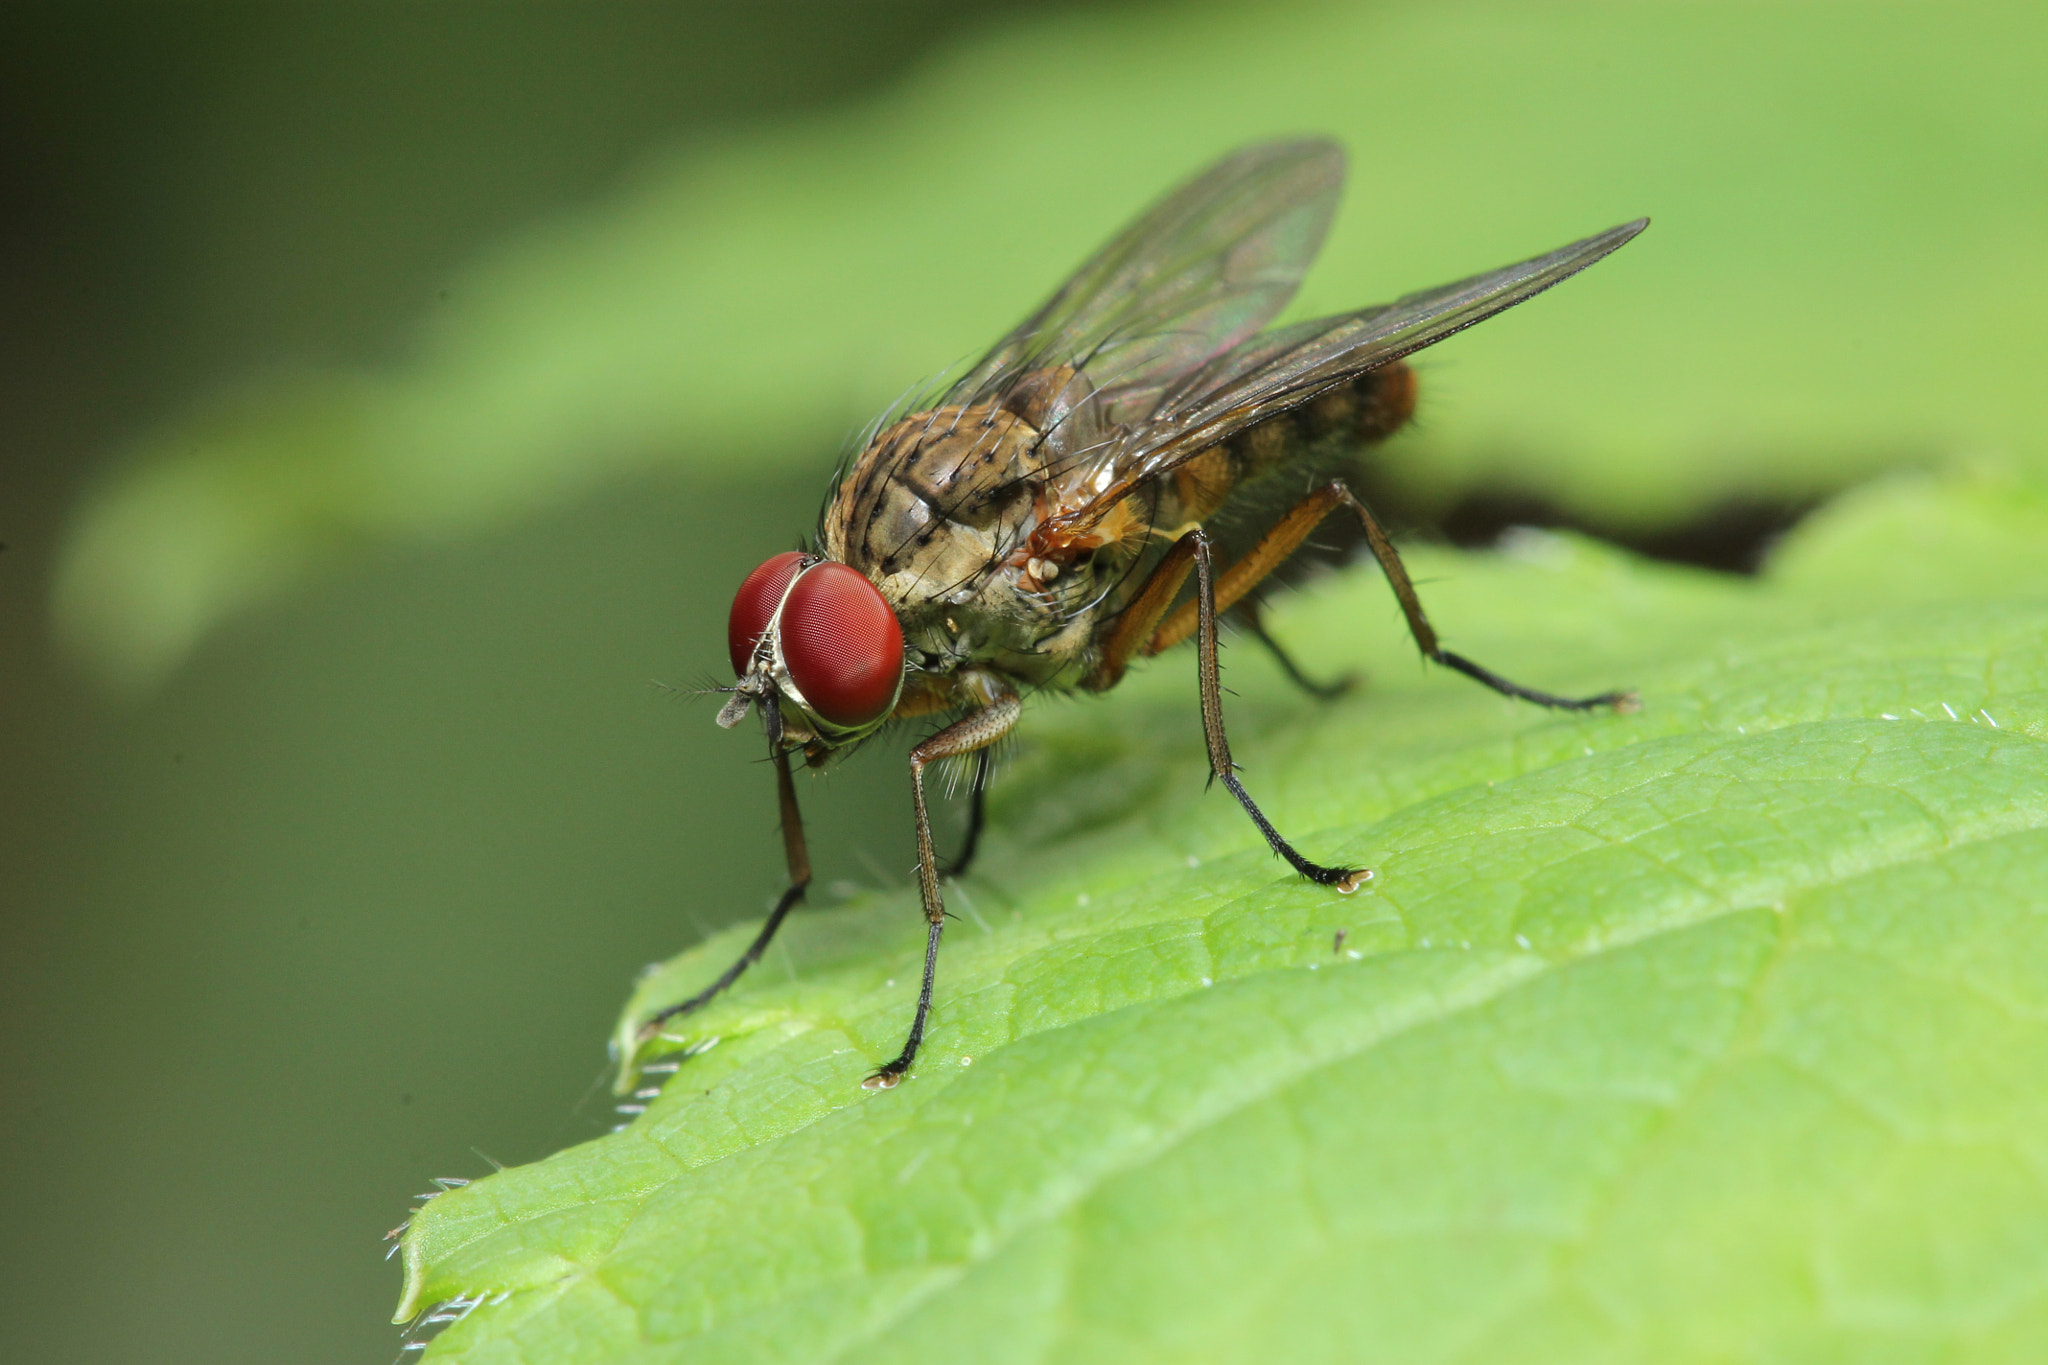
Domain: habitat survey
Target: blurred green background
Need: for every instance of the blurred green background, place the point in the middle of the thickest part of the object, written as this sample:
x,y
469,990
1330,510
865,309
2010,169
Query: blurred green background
x,y
393,395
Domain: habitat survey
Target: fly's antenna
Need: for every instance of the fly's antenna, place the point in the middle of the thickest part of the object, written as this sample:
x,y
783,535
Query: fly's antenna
x,y
707,685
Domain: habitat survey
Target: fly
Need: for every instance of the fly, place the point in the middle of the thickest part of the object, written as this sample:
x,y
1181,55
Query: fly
x,y
1031,525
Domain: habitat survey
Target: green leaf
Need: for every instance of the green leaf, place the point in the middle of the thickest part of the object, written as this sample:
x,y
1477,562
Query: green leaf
x,y
1712,1032
1843,276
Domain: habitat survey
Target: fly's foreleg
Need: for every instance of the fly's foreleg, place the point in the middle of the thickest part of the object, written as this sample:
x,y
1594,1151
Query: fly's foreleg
x,y
1210,679
1294,528
799,860
964,736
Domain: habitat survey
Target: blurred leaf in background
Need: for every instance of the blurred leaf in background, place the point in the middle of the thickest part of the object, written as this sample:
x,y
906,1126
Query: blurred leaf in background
x,y
1845,276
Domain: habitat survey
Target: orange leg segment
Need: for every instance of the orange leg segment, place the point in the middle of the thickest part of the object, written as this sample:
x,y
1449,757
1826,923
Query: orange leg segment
x,y
1288,534
1137,622
1269,554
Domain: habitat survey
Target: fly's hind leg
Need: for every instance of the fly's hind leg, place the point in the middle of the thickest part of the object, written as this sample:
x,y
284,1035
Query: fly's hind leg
x,y
1241,577
973,732
1425,634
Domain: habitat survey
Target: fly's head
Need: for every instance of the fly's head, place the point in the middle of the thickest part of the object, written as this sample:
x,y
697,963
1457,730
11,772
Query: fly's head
x,y
818,649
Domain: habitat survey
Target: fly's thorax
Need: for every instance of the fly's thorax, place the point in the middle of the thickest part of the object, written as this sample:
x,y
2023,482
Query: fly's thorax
x,y
934,513
935,501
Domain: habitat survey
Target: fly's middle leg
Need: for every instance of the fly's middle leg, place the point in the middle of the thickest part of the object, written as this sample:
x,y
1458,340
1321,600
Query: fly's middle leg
x,y
1221,769
1138,629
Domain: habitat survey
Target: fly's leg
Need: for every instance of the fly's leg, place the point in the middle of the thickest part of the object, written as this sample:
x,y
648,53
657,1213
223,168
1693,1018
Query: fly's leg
x,y
1269,554
964,736
1241,577
799,860
1135,625
977,809
1255,624
1137,629
1221,769
1425,635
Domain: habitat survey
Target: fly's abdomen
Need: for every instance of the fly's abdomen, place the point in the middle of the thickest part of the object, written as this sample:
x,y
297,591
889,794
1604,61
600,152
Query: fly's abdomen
x,y
1369,407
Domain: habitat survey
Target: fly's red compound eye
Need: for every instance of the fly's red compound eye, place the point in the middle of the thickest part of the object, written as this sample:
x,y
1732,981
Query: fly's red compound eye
x,y
843,646
755,605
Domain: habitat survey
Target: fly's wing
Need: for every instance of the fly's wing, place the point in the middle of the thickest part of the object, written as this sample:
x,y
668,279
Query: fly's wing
x,y
1197,273
1280,369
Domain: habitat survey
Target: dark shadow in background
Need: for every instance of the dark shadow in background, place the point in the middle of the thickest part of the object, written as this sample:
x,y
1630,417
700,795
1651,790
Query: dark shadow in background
x,y
1734,536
